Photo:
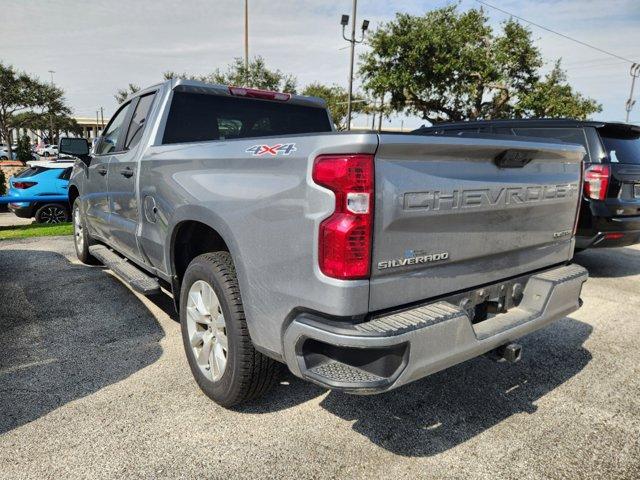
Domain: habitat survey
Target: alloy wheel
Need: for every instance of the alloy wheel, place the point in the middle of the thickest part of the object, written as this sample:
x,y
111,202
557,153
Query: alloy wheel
x,y
78,231
53,214
207,330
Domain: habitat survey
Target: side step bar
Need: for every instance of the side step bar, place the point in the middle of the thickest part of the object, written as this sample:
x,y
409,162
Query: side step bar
x,y
127,271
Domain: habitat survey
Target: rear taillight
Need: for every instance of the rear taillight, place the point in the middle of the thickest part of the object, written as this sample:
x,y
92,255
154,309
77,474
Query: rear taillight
x,y
23,185
345,237
261,94
596,181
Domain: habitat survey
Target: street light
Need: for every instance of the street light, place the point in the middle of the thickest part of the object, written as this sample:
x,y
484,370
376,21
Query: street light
x,y
344,21
50,114
635,73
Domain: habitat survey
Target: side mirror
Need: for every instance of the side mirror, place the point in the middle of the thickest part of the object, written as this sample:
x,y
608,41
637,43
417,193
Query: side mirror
x,y
76,147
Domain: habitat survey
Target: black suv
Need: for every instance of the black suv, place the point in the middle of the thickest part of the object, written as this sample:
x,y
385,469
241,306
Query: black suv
x,y
610,210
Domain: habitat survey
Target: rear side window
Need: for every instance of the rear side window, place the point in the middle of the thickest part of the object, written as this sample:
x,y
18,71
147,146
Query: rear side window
x,y
30,172
567,135
622,147
66,174
136,127
196,117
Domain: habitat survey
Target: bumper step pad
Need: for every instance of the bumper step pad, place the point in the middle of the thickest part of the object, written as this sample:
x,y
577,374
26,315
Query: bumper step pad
x,y
128,272
343,373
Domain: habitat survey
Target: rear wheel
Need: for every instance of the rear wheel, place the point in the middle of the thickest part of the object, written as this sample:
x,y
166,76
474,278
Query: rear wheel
x,y
222,358
52,213
81,238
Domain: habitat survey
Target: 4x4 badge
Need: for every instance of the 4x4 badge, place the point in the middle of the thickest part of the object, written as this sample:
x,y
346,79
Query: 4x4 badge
x,y
278,149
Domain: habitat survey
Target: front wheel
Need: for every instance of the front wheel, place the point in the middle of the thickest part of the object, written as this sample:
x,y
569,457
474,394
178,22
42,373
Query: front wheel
x,y
222,358
81,237
52,213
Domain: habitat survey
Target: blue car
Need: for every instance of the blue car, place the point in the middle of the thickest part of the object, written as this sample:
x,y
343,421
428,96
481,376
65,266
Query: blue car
x,y
41,179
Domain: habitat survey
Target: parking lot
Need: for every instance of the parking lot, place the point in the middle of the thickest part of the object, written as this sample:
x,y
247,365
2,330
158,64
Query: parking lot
x,y
94,383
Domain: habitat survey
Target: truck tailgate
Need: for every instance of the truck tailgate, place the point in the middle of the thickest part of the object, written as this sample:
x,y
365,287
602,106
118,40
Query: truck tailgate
x,y
457,213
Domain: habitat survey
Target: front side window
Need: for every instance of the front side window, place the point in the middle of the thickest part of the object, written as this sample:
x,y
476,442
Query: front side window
x,y
113,132
138,121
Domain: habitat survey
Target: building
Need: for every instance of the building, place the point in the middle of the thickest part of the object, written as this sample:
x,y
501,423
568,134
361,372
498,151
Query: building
x,y
88,125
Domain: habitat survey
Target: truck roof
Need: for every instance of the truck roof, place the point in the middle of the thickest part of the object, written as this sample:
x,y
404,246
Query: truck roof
x,y
196,86
530,122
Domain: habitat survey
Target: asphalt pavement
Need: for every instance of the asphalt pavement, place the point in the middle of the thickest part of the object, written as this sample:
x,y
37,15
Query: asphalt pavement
x,y
94,384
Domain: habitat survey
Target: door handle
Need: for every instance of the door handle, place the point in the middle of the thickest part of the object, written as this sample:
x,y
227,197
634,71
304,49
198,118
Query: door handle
x,y
127,172
102,170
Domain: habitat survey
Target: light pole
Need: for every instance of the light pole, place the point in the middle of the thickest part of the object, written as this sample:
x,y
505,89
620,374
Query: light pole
x,y
635,73
344,21
246,40
51,114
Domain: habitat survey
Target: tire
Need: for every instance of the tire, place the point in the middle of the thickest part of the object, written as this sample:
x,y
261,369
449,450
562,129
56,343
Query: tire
x,y
50,213
246,373
45,154
81,238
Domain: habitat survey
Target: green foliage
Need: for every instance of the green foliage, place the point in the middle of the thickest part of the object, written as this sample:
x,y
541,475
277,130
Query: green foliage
x,y
3,181
23,151
554,97
27,102
258,76
336,98
451,65
123,93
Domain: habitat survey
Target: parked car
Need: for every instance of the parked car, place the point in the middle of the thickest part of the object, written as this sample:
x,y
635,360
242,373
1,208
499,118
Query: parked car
x,y
363,261
41,179
48,151
610,208
4,151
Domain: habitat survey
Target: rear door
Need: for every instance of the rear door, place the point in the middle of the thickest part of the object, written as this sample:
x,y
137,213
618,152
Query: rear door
x,y
122,180
95,193
452,213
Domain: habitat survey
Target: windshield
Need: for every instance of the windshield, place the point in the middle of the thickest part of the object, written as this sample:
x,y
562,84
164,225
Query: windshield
x,y
622,147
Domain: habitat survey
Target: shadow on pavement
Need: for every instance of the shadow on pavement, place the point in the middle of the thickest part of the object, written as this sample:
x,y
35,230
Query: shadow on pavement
x,y
610,262
446,409
452,406
66,331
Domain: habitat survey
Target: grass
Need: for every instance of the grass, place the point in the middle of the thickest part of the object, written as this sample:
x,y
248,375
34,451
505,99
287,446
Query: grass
x,y
35,230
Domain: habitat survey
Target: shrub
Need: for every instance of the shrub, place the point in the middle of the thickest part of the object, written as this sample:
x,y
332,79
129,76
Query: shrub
x,y
23,150
3,187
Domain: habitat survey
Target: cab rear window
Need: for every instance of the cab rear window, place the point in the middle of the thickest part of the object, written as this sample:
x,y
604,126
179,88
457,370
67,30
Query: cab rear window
x,y
196,117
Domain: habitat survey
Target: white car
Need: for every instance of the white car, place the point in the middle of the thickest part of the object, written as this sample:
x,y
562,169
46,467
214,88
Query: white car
x,y
48,151
4,151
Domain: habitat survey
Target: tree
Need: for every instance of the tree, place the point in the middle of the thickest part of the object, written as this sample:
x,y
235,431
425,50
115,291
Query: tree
x,y
51,117
123,93
336,98
258,76
554,97
450,65
19,93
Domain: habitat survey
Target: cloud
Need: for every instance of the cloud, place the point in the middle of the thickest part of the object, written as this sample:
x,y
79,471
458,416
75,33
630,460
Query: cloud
x,y
96,48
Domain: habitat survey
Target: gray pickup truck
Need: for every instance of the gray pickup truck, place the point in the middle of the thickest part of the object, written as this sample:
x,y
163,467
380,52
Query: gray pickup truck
x,y
362,261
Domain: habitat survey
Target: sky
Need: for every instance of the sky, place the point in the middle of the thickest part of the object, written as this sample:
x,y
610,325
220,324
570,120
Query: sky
x,y
97,47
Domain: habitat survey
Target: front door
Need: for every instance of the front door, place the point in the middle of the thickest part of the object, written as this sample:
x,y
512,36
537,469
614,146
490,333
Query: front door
x,y
122,181
95,196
